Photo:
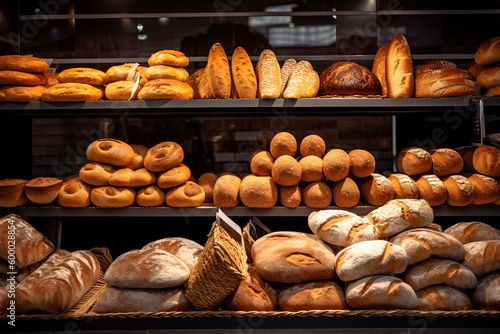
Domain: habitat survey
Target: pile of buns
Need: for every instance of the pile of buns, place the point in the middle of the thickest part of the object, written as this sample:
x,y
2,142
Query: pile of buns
x,y
486,67
41,277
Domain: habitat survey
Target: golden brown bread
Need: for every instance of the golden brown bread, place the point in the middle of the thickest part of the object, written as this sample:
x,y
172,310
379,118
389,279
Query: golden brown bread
x,y
96,174
467,232
486,160
432,189
126,177
51,79
21,93
163,156
486,189
74,194
482,257
112,197
174,176
83,75
12,193
488,52
165,72
399,68
376,189
17,78
189,194
336,165
317,195
348,78
261,163
460,192
345,193
286,171
23,64
188,251
378,67
312,168
361,163
268,75
312,145
413,161
303,82
258,191
290,196
151,195
110,151
226,191
168,57
207,182
244,78
122,72
446,161
442,297
121,90
283,143
404,186
218,72
489,77
493,91
445,82
319,295
199,82
72,92
486,295
166,89
467,152
139,154
43,190
431,65
286,71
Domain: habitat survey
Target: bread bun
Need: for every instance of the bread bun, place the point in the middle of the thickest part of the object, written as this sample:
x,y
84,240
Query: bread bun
x,y
149,196
139,154
283,143
126,177
72,92
16,78
399,68
96,174
345,193
23,64
446,161
83,75
244,78
432,189
303,82
286,71
379,67
21,93
12,193
486,160
207,182
348,78
460,192
486,189
482,257
361,162
258,191
43,190
121,90
312,145
166,72
320,295
467,152
336,165
268,75
488,52
286,171
442,297
188,194
317,195
226,191
312,168
467,232
74,194
261,163
122,72
168,57
413,161
174,176
110,151
446,82
112,197
163,156
376,189
290,196
166,89
486,295
404,186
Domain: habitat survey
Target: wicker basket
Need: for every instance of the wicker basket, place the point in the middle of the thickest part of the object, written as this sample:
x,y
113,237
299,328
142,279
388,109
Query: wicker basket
x,y
219,270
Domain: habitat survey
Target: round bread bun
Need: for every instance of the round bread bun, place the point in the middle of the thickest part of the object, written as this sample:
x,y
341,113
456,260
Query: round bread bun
x,y
227,190
258,191
72,92
166,72
188,194
361,163
21,93
283,143
74,194
317,195
126,177
166,89
207,182
163,156
336,165
486,160
413,161
43,190
96,174
446,161
261,163
291,196
488,52
460,192
84,75
312,168
112,197
16,78
121,90
168,57
12,193
23,64
121,72
51,79
348,78
139,154
312,145
174,176
345,193
486,189
286,171
432,189
151,195
110,151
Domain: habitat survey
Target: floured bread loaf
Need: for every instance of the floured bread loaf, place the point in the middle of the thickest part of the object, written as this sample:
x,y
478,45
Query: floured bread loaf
x,y
186,250
321,295
487,292
482,257
442,297
376,189
413,161
467,232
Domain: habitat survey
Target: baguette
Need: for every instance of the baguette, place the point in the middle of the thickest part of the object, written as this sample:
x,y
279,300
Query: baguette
x,y
379,67
218,72
269,75
243,72
399,69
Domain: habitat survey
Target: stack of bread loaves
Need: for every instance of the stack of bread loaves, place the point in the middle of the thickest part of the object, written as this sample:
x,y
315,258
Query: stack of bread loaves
x,y
125,81
150,279
22,78
487,59
77,84
18,192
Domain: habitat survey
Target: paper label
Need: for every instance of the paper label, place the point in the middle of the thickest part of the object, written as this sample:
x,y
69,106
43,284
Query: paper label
x,y
136,85
229,225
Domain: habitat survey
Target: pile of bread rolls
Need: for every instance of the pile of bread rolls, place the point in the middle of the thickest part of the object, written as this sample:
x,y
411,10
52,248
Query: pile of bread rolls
x,y
486,67
22,78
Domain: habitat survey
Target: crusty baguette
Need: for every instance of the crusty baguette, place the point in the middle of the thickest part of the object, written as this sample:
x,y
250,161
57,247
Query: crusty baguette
x,y
269,75
243,72
399,68
379,67
303,82
218,72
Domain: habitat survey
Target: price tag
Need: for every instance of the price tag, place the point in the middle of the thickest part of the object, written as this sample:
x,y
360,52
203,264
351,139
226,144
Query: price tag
x,y
229,225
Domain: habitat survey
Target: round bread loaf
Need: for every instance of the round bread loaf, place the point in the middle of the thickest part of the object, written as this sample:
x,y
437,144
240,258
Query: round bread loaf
x,y
446,162
312,145
74,194
399,69
378,67
189,194
72,92
345,193
96,174
258,191
112,197
126,177
482,257
23,64
493,91
17,78
442,297
151,195
336,165
380,292
166,72
361,162
321,295
283,143
348,78
312,168
486,189
487,293
286,171
467,152
163,156
290,196
486,160
317,195
83,75
122,72
376,189
460,192
261,163
413,161
166,89
174,176
12,193
188,251
467,232
488,52
489,77
244,78
43,190
110,151
268,76
121,90
168,57
404,186
207,182
226,191
302,83
139,154
432,189
21,93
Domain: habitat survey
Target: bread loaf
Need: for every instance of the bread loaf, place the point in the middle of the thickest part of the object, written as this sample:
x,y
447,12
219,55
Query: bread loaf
x,y
189,194
421,244
151,195
348,78
404,186
74,194
168,57
112,197
110,151
448,82
487,292
482,257
488,52
361,162
207,182
489,77
258,191
460,192
435,271
376,189
59,283
122,90
122,72
72,92
23,64
268,75
442,297
283,143
446,162
21,93
12,193
126,177
380,292
486,160
345,193
399,69
312,145
261,163
286,171
199,82
431,189
413,161
218,72
96,174
166,89
379,67
336,165
243,73
317,195
163,156
431,65
83,75
467,232
188,251
17,78
174,176
166,72
303,82
320,295
286,71
290,196
51,79
312,169
139,154
292,257
493,91
467,152
341,228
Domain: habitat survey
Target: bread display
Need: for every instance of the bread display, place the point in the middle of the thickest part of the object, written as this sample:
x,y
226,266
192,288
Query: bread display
x,y
379,67
17,78
72,92
432,189
163,156
404,186
169,58
21,93
345,193
218,72
336,165
283,143
122,90
226,191
442,297
23,64
83,75
151,195
258,191
166,89
261,163
174,176
96,174
348,78
207,182
413,161
482,257
317,195
112,197
188,251
399,68
486,160
12,193
286,171
244,78
320,295
292,257
312,145
189,194
290,196
43,190
467,232
110,151
487,292
312,169
268,76
303,82
361,163
376,189
74,194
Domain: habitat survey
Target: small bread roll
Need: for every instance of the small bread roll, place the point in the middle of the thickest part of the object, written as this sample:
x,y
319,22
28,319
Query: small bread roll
x,y
404,186
226,191
151,195
283,143
312,145
486,160
168,57
165,72
207,182
261,163
291,196
317,195
174,176
112,197
83,75
345,193
72,92
361,163
336,165
163,156
286,171
413,161
189,194
12,193
96,174
139,154
110,151
446,162
43,190
21,93
74,194
460,192
268,76
121,90
312,168
432,189
467,152
376,189
489,77
258,191
486,189
126,177
166,89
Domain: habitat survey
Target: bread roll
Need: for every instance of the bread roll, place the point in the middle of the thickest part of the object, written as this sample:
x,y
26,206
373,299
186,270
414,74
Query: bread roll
x,y
174,176
312,145
467,152
446,162
122,72
292,257
376,189
290,196
116,300
258,192
489,77
404,186
320,295
150,195
317,195
23,64
74,194
345,193
348,78
147,268
442,297
166,89
467,232
168,57
379,67
17,78
21,93
286,171
413,161
244,78
399,68
110,151
268,75
437,271
341,228
493,91
139,154
12,193
188,194
163,156
59,283
421,244
283,143
43,190
487,293
72,92
207,182
226,191
83,75
96,174
380,292
166,72
51,79
482,257
303,82
286,71
312,168
486,160
488,52
432,189
336,165
121,90
361,162
112,197
475,70
261,163
126,177
460,192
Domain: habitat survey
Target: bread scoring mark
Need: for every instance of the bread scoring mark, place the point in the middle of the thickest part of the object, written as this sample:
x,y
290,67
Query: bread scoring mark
x,y
367,287
302,260
387,252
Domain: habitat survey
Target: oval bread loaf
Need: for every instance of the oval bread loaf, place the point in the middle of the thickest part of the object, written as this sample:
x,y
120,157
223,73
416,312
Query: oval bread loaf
x,y
482,257
487,292
321,295
467,232
110,151
442,297
413,161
